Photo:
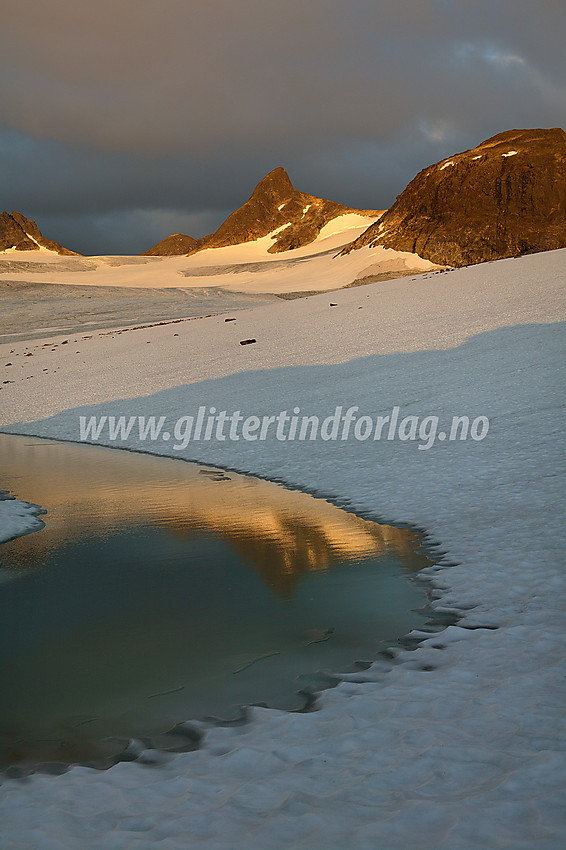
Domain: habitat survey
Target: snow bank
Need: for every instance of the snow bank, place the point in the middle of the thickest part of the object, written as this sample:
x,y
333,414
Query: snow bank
x,y
458,744
17,518
41,253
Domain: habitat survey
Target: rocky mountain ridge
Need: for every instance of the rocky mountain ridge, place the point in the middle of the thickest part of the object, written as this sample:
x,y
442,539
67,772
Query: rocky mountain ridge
x,y
23,234
274,204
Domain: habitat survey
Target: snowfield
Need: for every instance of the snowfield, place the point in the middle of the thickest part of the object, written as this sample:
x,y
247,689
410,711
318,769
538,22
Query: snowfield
x,y
247,267
456,744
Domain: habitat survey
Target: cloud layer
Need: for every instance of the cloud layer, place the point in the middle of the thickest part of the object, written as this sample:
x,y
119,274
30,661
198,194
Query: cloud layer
x,y
119,119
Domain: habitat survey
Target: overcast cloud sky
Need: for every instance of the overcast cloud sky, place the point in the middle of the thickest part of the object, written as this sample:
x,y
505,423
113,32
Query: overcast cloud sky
x,y
122,121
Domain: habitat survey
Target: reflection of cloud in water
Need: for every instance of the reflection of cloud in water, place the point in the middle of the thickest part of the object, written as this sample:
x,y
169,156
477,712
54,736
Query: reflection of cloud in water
x,y
282,533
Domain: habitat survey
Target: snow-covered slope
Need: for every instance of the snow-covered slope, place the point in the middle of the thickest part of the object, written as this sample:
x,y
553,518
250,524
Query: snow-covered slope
x,y
457,745
246,267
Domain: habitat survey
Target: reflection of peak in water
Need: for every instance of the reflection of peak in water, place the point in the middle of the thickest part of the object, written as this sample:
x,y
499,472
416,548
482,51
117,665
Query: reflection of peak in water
x,y
166,596
283,546
90,490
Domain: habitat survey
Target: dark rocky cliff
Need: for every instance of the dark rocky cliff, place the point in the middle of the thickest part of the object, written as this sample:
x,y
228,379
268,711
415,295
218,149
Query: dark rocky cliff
x,y
505,198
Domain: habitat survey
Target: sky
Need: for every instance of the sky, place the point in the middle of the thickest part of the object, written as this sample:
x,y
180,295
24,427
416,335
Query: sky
x,y
122,121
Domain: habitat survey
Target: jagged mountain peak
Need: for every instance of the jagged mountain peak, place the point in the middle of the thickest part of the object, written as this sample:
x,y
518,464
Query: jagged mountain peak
x,y
277,183
275,205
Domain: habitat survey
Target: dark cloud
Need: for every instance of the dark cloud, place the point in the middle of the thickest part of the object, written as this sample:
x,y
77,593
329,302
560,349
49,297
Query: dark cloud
x,y
121,118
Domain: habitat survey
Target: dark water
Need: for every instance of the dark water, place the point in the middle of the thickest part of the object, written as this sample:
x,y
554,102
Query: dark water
x,y
161,591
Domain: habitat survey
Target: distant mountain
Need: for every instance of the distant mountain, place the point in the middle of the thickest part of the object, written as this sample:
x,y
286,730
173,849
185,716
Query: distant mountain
x,y
23,234
275,203
174,245
504,198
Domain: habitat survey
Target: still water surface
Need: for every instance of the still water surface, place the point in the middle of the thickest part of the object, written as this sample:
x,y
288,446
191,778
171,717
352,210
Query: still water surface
x,y
161,591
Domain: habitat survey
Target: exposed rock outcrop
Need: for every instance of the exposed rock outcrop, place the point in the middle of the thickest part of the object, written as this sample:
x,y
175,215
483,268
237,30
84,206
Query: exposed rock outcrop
x,y
175,245
23,234
276,204
505,198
